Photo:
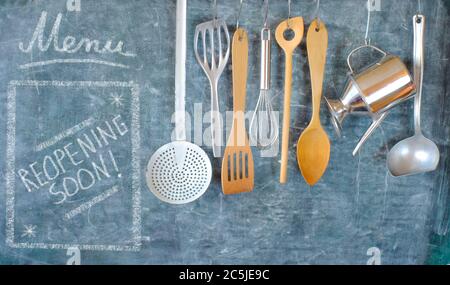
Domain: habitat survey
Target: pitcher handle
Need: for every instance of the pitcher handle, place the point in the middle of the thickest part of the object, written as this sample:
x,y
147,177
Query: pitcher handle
x,y
362,47
375,124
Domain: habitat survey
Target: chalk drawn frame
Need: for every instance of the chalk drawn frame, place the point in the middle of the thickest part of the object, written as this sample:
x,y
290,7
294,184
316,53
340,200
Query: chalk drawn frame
x,y
11,157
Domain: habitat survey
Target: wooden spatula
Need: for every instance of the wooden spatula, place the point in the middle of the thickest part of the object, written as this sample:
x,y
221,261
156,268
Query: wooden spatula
x,y
237,163
288,46
313,148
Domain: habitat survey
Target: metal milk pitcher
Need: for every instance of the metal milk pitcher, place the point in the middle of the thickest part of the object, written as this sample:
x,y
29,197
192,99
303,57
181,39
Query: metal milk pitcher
x,y
376,89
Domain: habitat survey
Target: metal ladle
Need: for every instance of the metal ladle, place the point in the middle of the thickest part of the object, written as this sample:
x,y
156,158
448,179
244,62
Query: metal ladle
x,y
416,154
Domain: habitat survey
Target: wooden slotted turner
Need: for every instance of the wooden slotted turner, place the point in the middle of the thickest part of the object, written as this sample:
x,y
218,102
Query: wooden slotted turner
x,y
237,163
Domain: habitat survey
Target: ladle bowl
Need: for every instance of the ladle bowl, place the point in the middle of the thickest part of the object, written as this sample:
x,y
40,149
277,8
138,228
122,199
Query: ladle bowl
x,y
413,155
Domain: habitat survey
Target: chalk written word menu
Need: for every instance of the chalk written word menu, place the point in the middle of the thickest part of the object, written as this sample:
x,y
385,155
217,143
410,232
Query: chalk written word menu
x,y
72,165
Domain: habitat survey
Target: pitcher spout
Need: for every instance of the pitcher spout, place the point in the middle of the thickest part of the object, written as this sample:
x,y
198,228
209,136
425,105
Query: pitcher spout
x,y
338,113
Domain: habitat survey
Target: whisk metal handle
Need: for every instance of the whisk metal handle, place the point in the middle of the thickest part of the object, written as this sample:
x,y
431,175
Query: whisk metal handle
x,y
266,42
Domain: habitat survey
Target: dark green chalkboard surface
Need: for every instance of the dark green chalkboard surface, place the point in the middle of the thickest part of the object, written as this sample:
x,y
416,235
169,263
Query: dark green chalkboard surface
x,y
87,94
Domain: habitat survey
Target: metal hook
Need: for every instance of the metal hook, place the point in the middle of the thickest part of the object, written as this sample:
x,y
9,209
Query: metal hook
x,y
239,13
215,9
317,14
266,13
289,13
369,9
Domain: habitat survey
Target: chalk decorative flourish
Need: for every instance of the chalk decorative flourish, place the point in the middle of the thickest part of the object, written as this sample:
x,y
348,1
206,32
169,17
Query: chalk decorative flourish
x,y
116,100
30,231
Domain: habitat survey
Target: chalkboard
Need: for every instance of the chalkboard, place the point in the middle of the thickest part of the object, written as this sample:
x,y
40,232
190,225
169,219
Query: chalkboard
x,y
87,93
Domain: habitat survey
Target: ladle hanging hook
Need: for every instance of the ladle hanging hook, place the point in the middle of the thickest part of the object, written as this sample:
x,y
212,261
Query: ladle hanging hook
x,y
317,14
266,13
239,13
369,10
215,11
419,11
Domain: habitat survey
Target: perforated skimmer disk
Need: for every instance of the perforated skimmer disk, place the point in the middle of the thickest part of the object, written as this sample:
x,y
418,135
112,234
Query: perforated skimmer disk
x,y
179,172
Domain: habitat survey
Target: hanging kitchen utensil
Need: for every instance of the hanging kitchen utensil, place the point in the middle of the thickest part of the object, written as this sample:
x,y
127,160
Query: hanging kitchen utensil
x,y
264,123
372,91
237,163
313,148
416,154
214,58
179,172
288,45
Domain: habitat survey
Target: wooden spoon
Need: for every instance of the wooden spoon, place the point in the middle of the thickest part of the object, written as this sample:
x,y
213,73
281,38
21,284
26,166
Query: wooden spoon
x,y
313,148
295,25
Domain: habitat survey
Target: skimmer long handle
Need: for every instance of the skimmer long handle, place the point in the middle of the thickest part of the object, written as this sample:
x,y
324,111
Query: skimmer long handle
x,y
419,37
180,72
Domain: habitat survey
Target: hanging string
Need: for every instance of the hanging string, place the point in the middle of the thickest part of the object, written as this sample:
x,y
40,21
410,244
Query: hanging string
x,y
420,7
369,9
